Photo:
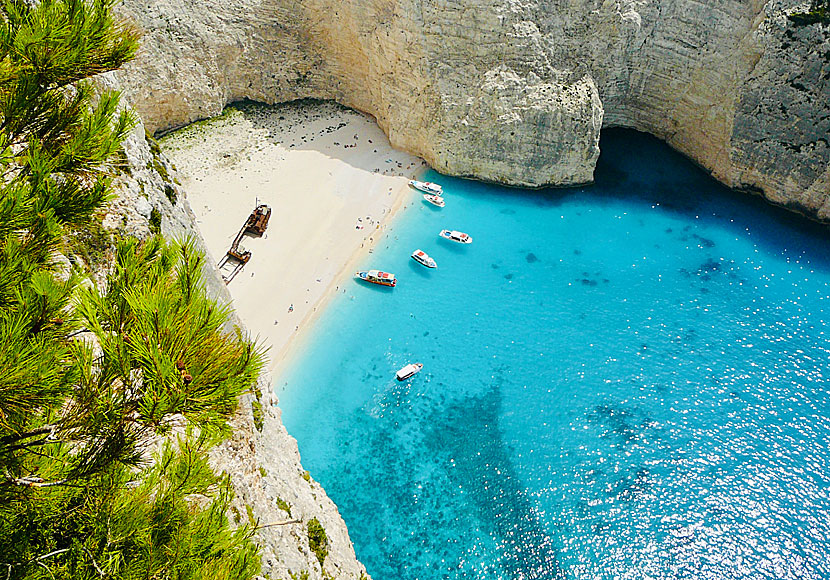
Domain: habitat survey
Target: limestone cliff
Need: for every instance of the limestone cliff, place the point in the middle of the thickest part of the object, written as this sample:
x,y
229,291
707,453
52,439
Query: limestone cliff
x,y
516,91
260,456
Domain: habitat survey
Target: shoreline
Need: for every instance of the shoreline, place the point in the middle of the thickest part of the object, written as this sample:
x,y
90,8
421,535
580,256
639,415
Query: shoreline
x,y
297,341
318,165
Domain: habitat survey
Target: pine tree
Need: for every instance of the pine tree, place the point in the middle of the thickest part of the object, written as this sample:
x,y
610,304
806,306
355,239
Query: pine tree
x,y
89,377
56,152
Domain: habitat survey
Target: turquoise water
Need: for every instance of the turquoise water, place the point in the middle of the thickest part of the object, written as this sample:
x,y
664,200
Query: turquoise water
x,y
628,380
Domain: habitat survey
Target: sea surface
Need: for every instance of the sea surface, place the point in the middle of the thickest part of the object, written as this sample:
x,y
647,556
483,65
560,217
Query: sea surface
x,y
626,380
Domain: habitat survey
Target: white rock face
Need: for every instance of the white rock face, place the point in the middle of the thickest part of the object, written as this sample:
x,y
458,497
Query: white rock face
x,y
513,91
264,465
265,470
516,91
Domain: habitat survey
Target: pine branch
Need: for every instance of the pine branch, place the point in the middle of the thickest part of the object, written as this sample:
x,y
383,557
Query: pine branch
x,y
28,434
45,567
49,555
94,563
39,560
28,446
32,481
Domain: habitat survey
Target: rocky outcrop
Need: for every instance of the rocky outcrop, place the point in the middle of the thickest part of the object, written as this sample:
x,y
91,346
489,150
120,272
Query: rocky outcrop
x,y
261,458
781,129
513,91
516,91
264,464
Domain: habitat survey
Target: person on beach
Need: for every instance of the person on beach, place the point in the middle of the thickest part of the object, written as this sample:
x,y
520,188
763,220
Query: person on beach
x,y
291,308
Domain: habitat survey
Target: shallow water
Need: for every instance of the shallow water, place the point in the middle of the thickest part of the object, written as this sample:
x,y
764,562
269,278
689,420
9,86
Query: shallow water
x,y
626,380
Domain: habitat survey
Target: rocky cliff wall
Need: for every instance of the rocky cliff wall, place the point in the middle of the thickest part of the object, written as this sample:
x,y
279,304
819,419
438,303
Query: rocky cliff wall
x,y
260,456
516,91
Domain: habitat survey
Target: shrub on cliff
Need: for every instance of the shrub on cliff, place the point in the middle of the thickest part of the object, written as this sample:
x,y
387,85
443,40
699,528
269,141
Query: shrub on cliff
x,y
819,12
90,377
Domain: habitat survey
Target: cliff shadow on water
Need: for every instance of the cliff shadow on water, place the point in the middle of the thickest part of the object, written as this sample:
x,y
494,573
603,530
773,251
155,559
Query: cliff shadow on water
x,y
638,168
492,483
584,361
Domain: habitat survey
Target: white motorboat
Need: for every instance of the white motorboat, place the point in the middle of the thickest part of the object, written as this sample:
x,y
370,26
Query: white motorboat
x,y
377,277
435,199
456,236
408,371
427,187
423,258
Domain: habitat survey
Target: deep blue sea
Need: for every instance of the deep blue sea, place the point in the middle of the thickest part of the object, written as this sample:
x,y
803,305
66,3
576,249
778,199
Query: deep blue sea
x,y
626,380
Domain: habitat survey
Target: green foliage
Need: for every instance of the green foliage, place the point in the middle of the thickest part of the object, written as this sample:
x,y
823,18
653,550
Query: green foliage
x,y
92,244
317,540
89,377
158,165
284,506
252,519
56,149
72,430
819,13
155,221
164,351
154,146
171,194
301,576
256,410
167,520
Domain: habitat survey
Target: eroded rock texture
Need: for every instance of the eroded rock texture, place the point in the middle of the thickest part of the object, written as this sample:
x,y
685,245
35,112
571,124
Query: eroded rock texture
x,y
516,91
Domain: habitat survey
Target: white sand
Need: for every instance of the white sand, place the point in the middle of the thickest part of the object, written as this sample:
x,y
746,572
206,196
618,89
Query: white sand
x,y
333,182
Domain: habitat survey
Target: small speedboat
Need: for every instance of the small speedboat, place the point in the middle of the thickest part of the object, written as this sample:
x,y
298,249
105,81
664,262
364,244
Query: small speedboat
x,y
377,277
455,236
435,199
427,187
408,371
423,258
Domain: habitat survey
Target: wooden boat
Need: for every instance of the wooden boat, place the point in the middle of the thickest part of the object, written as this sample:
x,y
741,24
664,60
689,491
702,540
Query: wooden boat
x,y
232,262
408,371
435,200
235,259
377,277
427,187
456,236
258,221
424,259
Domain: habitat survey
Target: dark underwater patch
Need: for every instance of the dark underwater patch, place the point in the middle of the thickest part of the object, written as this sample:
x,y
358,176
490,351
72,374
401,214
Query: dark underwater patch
x,y
708,267
469,440
704,242
619,423
633,486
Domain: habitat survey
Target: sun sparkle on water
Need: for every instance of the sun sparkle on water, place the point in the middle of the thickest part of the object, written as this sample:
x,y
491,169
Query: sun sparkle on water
x,y
625,380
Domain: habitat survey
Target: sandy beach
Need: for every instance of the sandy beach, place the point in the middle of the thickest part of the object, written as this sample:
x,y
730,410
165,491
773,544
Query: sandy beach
x,y
333,182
